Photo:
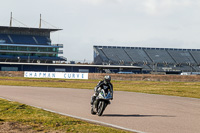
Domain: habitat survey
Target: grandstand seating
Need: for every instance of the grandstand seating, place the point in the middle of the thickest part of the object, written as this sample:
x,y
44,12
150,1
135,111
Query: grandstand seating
x,y
150,59
185,68
7,56
28,39
138,55
159,56
113,55
22,39
101,55
146,67
42,40
25,39
51,58
196,68
196,55
182,56
5,38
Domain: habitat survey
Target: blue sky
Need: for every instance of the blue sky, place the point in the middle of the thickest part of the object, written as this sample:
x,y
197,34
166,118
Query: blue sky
x,y
133,23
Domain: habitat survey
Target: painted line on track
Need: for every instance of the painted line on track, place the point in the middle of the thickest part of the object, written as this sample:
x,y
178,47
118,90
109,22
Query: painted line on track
x,y
81,118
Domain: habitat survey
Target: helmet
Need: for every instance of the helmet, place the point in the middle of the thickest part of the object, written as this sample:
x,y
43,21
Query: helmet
x,y
107,79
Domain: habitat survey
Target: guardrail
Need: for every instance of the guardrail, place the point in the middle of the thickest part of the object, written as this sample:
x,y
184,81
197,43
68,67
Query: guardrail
x,y
59,45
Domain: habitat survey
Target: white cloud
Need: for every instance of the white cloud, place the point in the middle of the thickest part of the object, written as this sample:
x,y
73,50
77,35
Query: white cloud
x,y
164,7
99,2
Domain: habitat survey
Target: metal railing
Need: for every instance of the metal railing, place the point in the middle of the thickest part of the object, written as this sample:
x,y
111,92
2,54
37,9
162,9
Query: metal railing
x,y
59,45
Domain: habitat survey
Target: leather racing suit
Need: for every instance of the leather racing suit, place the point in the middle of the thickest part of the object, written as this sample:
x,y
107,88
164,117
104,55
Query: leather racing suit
x,y
102,85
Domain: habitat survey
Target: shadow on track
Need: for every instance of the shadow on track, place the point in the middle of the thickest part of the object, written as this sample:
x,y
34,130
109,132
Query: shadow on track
x,y
135,115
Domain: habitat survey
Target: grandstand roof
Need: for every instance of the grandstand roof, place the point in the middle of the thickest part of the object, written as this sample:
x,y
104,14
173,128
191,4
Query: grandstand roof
x,y
146,48
28,29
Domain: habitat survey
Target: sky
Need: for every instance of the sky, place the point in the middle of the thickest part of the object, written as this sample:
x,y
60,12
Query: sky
x,y
131,23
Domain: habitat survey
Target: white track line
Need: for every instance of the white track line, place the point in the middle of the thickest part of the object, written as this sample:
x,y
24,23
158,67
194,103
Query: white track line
x,y
84,119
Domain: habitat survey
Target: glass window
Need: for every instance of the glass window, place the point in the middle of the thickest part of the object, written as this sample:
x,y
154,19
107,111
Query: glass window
x,y
42,50
22,49
51,49
12,48
3,47
32,48
9,68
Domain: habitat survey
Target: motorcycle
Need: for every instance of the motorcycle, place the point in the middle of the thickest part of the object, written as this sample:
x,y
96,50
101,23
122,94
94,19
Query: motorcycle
x,y
101,102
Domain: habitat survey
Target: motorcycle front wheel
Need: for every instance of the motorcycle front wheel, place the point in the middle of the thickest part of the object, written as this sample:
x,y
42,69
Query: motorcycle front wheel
x,y
100,108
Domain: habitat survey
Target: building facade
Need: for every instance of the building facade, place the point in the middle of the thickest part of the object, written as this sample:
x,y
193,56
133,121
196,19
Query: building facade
x,y
28,45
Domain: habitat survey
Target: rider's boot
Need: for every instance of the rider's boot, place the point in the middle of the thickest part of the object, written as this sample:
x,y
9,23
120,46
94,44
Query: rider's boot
x,y
92,100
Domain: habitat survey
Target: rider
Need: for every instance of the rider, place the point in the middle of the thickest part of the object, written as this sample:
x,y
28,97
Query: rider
x,y
104,84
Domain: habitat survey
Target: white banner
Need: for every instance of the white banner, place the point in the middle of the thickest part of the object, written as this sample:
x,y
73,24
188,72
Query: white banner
x,y
62,75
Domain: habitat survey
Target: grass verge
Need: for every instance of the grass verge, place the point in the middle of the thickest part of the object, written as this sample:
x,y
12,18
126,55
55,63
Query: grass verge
x,y
183,89
39,120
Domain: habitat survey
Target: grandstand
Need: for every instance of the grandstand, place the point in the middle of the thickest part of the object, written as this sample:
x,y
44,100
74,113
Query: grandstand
x,y
169,60
28,45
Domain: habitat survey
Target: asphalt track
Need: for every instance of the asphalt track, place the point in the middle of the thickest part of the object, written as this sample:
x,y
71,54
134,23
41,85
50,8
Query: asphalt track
x,y
135,111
